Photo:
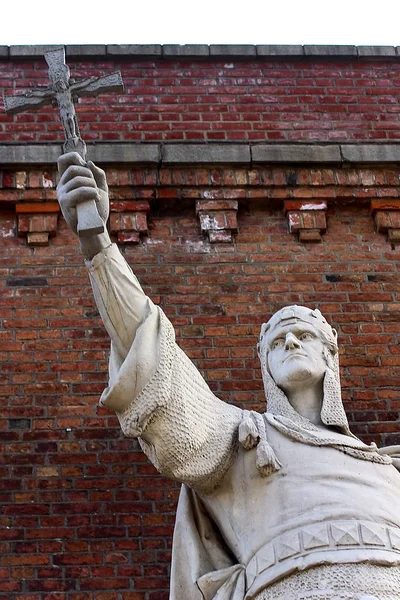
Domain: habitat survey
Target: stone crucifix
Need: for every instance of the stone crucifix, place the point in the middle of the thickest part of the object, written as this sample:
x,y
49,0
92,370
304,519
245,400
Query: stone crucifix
x,y
63,92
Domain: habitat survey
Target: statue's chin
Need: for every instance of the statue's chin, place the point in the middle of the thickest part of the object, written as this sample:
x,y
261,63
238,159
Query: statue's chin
x,y
300,374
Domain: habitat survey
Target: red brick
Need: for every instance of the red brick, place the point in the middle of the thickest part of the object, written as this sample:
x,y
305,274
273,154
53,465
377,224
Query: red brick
x,y
394,236
295,221
37,239
129,237
385,205
394,219
32,208
307,220
382,220
131,206
320,220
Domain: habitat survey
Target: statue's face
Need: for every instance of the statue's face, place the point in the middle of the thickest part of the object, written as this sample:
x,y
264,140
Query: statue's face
x,y
295,355
60,86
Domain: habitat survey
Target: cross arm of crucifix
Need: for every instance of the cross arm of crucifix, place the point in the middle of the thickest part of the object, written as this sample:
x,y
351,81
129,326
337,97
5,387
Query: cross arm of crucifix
x,y
97,85
33,99
38,97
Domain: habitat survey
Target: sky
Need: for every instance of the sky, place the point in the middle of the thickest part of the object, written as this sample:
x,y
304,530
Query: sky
x,y
355,22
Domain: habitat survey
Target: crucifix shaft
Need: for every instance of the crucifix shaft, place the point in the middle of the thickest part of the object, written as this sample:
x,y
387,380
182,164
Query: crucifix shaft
x,y
64,92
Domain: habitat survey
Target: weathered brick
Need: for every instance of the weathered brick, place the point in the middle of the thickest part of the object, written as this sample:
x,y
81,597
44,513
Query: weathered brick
x,y
394,236
382,220
310,235
320,220
37,239
223,237
128,237
307,219
394,218
307,205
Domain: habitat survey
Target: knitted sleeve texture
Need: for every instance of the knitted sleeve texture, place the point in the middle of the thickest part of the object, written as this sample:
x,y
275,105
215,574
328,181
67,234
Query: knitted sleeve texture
x,y
159,396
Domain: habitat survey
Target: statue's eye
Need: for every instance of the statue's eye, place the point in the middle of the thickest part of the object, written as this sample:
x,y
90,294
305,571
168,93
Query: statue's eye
x,y
306,336
278,343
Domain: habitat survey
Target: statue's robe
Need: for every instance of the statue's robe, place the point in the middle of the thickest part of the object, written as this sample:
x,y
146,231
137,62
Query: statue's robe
x,y
333,501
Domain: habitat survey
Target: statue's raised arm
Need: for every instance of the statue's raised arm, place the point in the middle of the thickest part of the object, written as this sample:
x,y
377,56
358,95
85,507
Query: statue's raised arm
x,y
158,394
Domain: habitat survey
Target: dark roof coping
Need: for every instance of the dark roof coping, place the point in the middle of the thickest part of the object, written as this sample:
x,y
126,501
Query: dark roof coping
x,y
238,51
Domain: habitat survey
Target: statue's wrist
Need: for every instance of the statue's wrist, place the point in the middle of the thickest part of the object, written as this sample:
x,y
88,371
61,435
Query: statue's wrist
x,y
94,244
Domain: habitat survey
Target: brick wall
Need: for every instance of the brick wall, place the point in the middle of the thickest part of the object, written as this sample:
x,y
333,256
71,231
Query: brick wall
x,y
324,99
84,516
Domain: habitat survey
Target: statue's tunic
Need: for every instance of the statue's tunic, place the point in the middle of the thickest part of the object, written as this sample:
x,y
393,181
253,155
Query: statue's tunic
x,y
239,534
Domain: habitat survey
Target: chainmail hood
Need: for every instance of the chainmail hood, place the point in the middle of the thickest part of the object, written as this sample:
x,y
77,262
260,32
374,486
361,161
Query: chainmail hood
x,y
332,412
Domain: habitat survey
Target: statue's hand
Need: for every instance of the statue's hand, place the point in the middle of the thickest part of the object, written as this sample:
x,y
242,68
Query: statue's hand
x,y
80,181
394,453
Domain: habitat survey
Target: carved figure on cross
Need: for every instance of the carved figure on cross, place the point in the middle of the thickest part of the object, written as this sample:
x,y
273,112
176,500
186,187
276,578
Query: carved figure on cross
x,y
61,93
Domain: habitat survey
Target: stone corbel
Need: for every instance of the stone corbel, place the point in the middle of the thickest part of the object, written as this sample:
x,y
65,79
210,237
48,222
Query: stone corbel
x,y
37,221
218,219
128,220
306,218
386,215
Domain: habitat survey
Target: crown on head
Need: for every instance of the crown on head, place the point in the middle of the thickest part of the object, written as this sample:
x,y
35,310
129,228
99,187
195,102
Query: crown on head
x,y
300,313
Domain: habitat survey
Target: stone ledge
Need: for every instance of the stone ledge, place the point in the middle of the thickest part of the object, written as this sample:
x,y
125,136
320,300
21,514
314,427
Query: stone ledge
x,y
124,153
48,154
189,50
89,50
376,51
204,50
20,51
330,51
280,50
41,154
370,153
207,153
144,50
295,153
242,51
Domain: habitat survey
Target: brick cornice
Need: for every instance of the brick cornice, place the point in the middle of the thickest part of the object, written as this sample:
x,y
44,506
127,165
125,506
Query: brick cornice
x,y
202,51
179,153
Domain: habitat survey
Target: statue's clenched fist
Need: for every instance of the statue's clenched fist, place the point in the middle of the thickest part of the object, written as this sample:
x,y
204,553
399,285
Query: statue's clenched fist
x,y
79,182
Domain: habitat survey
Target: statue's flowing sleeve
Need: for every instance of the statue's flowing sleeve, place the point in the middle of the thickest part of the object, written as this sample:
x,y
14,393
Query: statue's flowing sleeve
x,y
158,394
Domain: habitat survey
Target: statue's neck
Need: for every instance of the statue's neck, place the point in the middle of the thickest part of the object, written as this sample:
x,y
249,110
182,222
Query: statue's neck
x,y
308,403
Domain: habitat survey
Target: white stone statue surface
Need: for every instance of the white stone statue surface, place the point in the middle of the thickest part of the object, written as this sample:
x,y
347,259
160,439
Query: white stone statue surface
x,y
285,505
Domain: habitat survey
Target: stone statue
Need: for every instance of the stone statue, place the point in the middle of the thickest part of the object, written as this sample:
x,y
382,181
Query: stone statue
x,y
286,505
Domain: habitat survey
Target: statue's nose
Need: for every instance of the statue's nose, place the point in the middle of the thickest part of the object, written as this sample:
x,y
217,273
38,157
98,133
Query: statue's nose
x,y
291,342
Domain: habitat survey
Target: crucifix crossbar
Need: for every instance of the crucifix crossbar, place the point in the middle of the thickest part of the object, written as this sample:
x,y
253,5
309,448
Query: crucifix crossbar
x,y
63,92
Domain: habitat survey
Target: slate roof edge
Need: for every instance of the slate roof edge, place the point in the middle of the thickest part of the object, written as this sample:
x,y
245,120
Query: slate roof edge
x,y
203,51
